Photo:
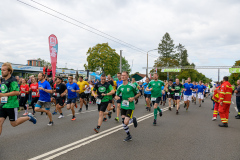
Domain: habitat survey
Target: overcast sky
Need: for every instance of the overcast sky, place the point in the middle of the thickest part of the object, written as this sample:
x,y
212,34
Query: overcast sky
x,y
209,30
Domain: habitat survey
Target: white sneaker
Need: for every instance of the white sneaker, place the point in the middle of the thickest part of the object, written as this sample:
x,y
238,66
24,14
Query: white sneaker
x,y
214,119
61,116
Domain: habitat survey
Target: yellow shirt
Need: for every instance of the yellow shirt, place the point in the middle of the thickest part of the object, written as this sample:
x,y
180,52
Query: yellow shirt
x,y
81,85
92,91
115,86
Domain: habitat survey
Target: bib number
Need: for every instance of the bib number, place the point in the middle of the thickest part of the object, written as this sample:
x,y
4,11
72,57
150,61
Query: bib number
x,y
98,101
23,94
34,93
4,99
125,103
168,93
153,99
176,94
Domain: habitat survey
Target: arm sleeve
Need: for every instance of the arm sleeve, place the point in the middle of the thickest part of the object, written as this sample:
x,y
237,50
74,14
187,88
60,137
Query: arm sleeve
x,y
48,86
110,88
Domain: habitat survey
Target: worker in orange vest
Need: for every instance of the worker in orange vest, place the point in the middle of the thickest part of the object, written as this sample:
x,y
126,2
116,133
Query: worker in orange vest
x,y
225,101
215,98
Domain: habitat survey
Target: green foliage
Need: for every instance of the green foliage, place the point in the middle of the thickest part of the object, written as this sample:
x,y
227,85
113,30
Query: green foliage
x,y
44,63
103,58
234,76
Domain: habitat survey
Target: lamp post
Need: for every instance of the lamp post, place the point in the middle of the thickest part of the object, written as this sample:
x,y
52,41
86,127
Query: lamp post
x,y
147,60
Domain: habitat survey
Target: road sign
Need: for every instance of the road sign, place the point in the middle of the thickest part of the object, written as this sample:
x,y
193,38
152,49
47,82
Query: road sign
x,y
171,70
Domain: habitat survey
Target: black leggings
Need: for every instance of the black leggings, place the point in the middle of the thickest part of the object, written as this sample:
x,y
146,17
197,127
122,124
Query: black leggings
x,y
23,101
238,103
34,100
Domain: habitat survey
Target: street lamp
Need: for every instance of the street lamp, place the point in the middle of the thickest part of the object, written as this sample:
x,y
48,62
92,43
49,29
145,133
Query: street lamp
x,y
147,59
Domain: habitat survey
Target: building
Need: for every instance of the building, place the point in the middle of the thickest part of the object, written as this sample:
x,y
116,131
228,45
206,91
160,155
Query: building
x,y
34,62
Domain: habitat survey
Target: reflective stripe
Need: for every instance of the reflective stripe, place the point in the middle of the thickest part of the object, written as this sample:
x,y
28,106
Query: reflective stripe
x,y
223,118
228,93
222,92
215,113
221,98
238,113
227,102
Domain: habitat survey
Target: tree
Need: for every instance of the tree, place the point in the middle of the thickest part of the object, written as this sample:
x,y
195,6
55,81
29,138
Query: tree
x,y
43,62
103,58
235,76
125,65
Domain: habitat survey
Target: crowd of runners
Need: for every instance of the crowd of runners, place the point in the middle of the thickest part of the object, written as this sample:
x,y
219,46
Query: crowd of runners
x,y
105,94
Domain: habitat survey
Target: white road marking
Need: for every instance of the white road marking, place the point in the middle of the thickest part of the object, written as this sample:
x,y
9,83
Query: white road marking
x,y
84,112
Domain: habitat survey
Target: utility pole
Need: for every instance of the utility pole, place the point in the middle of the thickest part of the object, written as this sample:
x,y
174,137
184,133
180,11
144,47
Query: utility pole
x,y
218,75
147,60
120,61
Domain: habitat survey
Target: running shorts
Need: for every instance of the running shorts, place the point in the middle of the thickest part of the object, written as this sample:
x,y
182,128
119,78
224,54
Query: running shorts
x,y
127,113
12,113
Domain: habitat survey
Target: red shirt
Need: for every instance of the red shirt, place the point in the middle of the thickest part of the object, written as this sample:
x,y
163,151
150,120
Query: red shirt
x,y
55,85
49,72
24,88
34,88
44,71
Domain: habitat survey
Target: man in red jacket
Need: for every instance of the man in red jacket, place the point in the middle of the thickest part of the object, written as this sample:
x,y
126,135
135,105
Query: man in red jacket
x,y
225,97
215,98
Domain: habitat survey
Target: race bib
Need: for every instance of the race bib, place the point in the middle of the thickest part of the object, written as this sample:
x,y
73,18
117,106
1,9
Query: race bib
x,y
125,103
57,94
4,99
23,94
153,99
176,94
98,101
34,93
168,93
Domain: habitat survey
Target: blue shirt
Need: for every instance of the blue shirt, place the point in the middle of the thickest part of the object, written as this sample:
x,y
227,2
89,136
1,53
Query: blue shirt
x,y
119,83
194,87
44,96
201,88
187,86
73,86
145,86
0,88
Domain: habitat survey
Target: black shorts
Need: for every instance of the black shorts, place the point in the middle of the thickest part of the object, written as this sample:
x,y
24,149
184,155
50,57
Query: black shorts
x,y
82,95
113,96
147,96
60,101
177,97
87,95
12,113
71,100
171,96
140,91
157,100
120,100
93,98
103,106
127,113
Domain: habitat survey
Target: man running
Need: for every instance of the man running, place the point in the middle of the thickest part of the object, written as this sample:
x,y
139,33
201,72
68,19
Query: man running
x,y
81,84
200,90
155,86
129,92
72,89
147,94
119,101
138,87
188,87
8,99
170,93
177,88
104,91
194,93
44,99
61,91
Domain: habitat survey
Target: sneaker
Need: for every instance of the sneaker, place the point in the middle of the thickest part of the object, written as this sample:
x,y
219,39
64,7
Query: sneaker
x,y
154,122
41,113
164,103
149,109
136,101
73,118
25,114
200,105
173,105
54,113
105,119
114,109
169,108
32,119
96,130
203,101
87,107
186,109
75,105
135,122
90,102
214,119
117,119
237,117
161,103
50,124
61,116
160,114
109,115
185,105
128,138
80,110
177,112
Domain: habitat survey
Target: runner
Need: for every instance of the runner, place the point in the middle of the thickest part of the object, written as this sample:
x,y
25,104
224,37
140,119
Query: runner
x,y
93,99
61,91
44,99
72,89
194,93
102,92
147,94
170,93
54,97
119,101
24,90
8,99
155,86
177,88
187,92
82,84
129,92
35,96
111,101
200,90
135,83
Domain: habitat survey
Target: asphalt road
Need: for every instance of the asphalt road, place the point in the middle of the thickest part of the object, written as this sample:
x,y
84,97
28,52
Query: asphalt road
x,y
190,135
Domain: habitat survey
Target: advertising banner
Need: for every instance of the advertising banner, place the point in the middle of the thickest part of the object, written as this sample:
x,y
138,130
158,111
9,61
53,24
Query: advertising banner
x,y
53,48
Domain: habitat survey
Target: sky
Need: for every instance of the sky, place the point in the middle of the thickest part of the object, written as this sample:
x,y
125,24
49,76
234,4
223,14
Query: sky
x,y
209,30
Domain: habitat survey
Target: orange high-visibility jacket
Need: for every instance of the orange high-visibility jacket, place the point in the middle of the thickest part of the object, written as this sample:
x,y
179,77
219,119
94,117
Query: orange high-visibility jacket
x,y
226,93
216,93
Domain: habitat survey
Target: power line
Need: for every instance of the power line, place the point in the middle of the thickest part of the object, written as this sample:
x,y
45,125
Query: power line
x,y
83,28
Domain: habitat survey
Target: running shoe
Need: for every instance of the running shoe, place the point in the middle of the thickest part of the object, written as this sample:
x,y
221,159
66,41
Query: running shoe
x,y
177,112
73,118
54,113
186,109
41,113
200,105
61,116
50,124
149,109
109,115
25,114
96,130
154,122
161,103
136,101
128,138
87,107
80,110
169,108
114,109
185,105
105,119
160,113
203,101
214,119
135,122
75,105
173,105
32,119
117,119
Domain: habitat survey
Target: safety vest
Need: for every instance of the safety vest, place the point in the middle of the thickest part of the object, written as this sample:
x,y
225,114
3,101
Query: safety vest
x,y
226,93
215,97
